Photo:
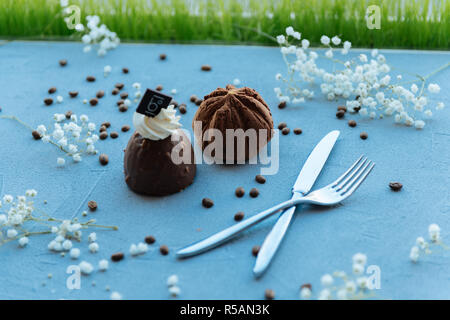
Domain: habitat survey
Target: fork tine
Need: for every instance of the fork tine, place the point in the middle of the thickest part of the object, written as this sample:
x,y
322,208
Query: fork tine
x,y
356,182
350,176
335,183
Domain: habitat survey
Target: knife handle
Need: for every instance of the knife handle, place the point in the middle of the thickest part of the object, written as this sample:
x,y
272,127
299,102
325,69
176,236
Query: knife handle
x,y
224,235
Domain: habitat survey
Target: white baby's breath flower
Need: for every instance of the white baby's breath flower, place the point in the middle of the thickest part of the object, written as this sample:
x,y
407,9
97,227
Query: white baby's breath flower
x,y
103,265
325,294
86,267
290,31
74,253
326,280
60,162
336,40
305,293
23,241
414,254
116,296
359,258
172,280
325,40
174,291
11,233
419,124
236,82
281,39
358,268
93,247
435,232
434,88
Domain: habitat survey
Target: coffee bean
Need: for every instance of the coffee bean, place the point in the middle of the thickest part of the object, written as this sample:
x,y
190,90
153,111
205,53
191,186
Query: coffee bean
x,y
198,102
119,86
68,114
282,125
164,250
114,135
115,91
352,123
73,94
342,108
269,294
125,70
124,95
103,135
36,135
254,193
239,216
182,109
103,159
363,135
120,102
193,98
48,101
102,128
340,114
282,105
125,128
92,205
306,285
255,250
239,192
285,131
150,239
90,78
298,131
93,101
100,94
260,179
395,186
63,62
159,88
356,109
207,202
162,56
206,67
123,108
116,257
107,124
52,90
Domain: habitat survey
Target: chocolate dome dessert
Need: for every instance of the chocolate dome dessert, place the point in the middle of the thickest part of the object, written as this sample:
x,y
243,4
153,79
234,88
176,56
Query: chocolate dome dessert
x,y
234,108
150,168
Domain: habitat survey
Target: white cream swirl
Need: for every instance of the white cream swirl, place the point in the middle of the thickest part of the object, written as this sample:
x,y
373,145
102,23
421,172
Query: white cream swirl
x,y
158,127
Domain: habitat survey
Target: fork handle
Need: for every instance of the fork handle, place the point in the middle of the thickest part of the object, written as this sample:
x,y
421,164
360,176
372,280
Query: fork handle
x,y
224,235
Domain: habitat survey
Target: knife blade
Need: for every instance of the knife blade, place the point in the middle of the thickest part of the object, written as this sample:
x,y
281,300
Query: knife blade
x,y
305,180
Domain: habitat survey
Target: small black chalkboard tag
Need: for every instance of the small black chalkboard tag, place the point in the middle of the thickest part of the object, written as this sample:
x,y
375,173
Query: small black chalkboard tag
x,y
152,102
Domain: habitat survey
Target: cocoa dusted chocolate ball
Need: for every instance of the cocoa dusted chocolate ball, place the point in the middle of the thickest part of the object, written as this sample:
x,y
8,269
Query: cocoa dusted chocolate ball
x,y
234,108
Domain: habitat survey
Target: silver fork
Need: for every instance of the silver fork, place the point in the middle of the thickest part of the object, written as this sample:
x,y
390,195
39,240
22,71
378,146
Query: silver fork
x,y
329,195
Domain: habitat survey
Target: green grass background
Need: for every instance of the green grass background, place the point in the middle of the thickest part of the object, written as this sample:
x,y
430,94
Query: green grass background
x,y
420,24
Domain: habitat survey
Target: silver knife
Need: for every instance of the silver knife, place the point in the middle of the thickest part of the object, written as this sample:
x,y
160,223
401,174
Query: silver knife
x,y
224,235
305,180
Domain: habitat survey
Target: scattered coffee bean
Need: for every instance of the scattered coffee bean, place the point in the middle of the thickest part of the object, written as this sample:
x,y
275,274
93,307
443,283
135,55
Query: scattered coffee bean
x,y
285,131
92,205
36,135
123,108
124,95
125,70
207,202
114,135
352,123
125,128
193,98
52,90
103,159
340,114
282,105
342,108
102,128
395,186
159,88
116,257
107,124
100,94
206,67
48,101
93,101
282,125
63,62
120,102
356,109
198,102
306,285
260,179
150,239
239,216
68,114
164,250
162,56
255,250
90,78
182,109
254,193
298,131
73,94
269,294
239,192
175,104
103,135
363,135
119,86
115,92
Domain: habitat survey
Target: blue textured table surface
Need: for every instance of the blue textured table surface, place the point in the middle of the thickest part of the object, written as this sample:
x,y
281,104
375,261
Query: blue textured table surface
x,y
376,221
